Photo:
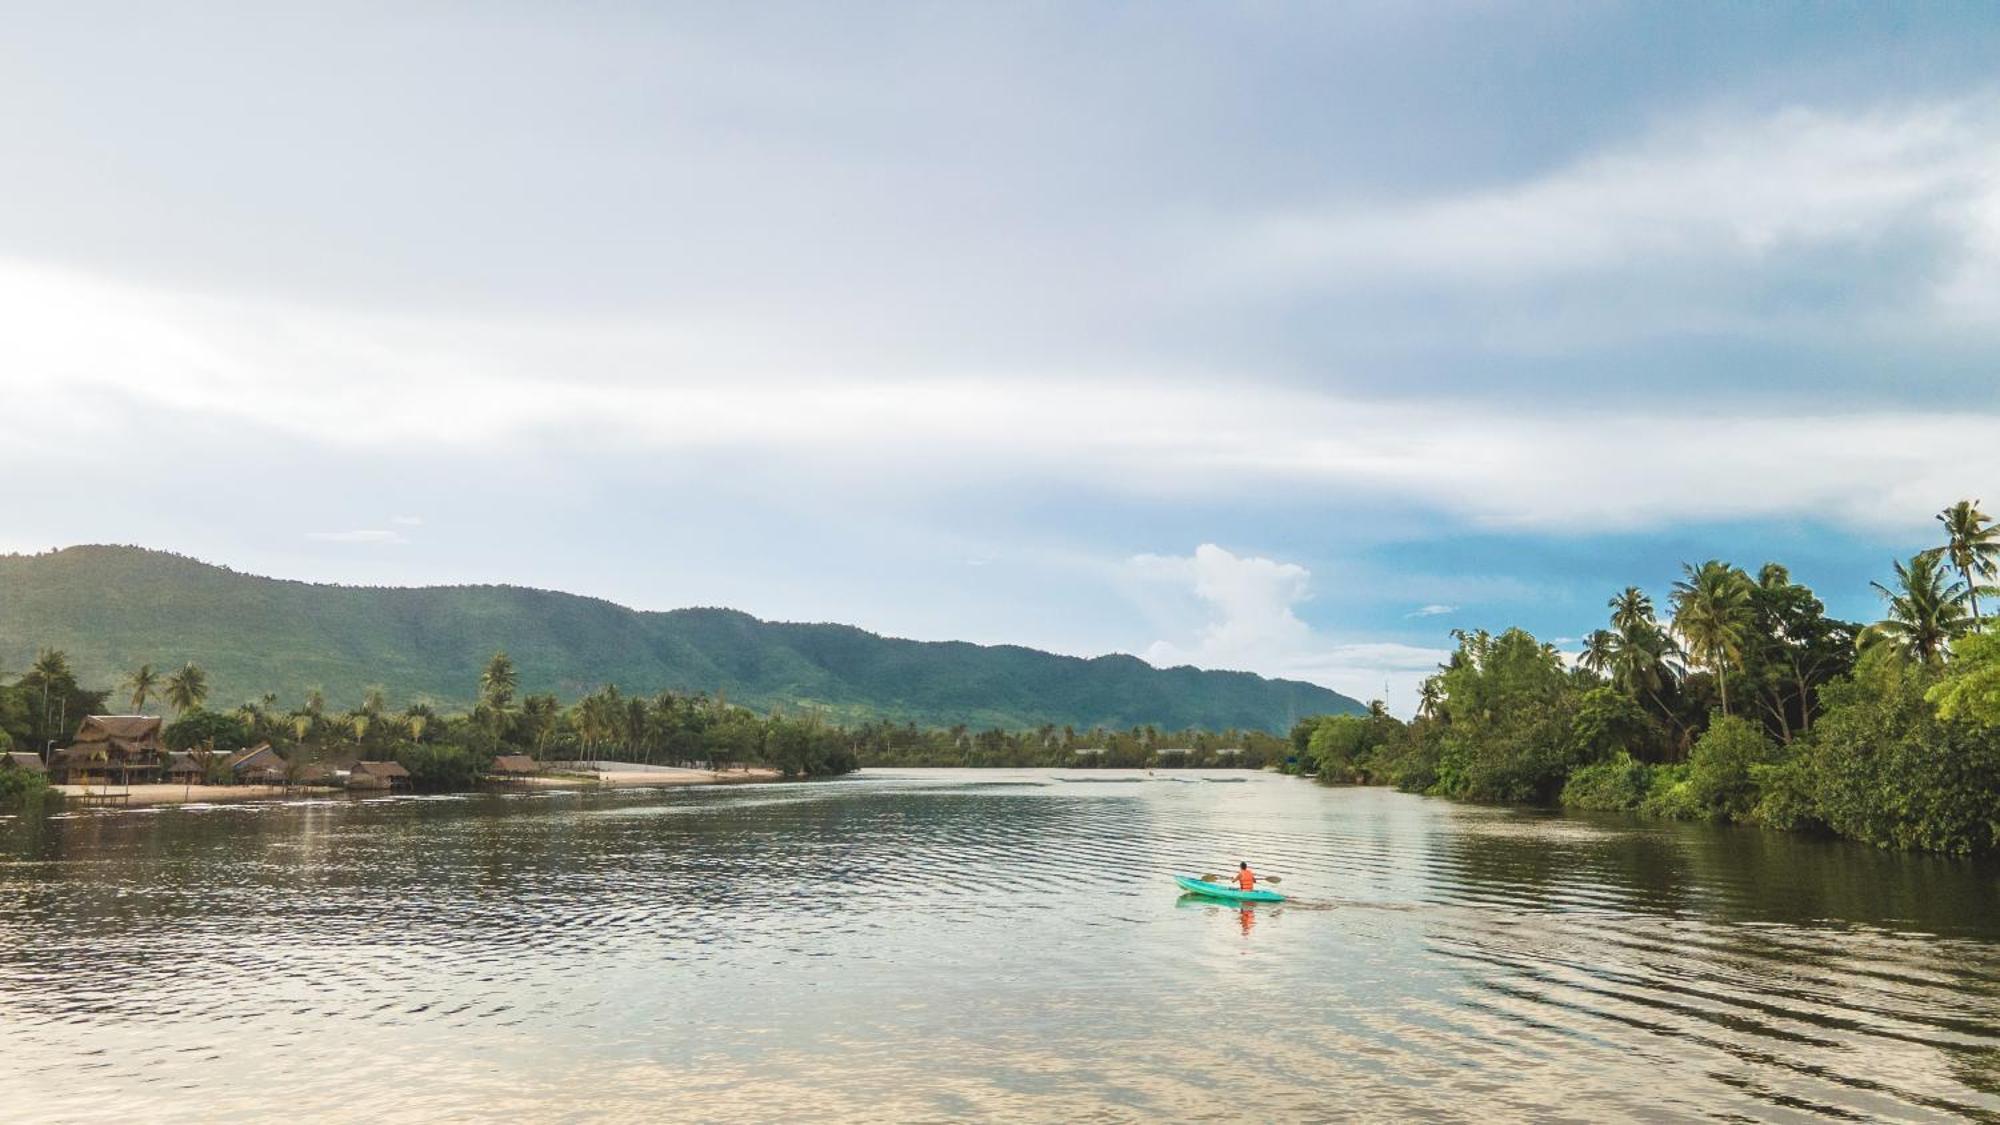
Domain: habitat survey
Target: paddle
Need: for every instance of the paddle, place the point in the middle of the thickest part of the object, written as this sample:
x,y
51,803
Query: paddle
x,y
1260,879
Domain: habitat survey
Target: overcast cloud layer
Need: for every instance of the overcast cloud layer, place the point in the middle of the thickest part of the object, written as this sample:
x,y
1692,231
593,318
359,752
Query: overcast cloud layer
x,y
1267,339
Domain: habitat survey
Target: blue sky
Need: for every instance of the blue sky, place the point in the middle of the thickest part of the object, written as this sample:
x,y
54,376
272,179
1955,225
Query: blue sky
x,y
1279,337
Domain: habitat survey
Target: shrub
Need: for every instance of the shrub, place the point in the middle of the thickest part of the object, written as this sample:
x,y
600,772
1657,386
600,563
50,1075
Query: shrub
x,y
1619,783
1670,793
20,789
1721,772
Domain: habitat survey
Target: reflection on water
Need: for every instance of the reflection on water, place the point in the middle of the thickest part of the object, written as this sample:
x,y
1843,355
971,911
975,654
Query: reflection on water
x,y
933,944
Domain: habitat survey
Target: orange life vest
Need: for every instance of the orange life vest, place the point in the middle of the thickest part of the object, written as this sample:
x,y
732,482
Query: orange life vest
x,y
1245,879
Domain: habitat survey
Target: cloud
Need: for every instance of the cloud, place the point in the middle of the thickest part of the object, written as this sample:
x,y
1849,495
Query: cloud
x,y
407,521
1694,196
140,363
1433,610
1244,620
361,535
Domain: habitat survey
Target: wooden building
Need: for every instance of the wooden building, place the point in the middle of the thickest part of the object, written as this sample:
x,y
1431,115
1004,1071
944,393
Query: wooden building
x,y
108,749
378,775
23,761
258,765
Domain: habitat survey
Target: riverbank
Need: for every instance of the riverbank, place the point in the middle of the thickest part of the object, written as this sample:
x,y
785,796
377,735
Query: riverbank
x,y
146,796
135,796
645,776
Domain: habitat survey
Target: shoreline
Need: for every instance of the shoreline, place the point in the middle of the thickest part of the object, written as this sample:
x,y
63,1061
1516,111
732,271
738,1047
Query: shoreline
x,y
168,793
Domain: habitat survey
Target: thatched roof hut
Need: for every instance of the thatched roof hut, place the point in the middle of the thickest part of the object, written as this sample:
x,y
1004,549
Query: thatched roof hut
x,y
515,765
21,760
258,765
378,775
182,766
126,734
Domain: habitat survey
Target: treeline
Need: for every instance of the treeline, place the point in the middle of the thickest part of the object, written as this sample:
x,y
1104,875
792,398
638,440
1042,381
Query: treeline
x,y
888,744
441,750
450,750
1745,703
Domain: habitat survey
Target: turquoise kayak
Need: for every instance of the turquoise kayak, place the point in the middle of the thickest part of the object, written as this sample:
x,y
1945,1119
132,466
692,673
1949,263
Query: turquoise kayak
x,y
1225,894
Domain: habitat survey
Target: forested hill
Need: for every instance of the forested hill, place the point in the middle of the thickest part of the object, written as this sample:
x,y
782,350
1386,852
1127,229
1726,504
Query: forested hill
x,y
114,608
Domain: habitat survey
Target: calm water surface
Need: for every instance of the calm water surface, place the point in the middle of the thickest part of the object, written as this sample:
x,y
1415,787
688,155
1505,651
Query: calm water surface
x,y
952,944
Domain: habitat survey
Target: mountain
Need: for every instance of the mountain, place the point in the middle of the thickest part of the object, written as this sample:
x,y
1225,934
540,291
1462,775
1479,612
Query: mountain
x,y
114,608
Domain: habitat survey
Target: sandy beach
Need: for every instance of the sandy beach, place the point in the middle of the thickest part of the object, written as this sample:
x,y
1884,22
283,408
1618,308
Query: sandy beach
x,y
648,776
163,794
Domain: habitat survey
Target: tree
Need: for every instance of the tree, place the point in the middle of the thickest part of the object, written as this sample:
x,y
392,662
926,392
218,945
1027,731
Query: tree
x,y
1970,686
498,683
50,672
1712,614
1972,546
1926,610
1430,698
187,689
144,684
1599,648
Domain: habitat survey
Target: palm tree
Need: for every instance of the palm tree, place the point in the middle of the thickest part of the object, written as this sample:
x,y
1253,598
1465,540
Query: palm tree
x,y
51,669
1599,649
144,684
1631,609
1926,610
1712,613
498,682
1973,547
187,689
1430,698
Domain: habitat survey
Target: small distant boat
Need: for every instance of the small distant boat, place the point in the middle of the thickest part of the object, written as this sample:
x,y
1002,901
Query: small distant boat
x,y
1225,894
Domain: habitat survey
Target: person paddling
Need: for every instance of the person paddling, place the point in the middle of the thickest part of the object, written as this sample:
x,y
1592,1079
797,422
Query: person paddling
x,y
1246,879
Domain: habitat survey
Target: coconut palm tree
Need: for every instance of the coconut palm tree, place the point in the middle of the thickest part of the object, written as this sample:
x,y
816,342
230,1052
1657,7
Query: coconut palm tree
x,y
1430,698
51,670
1631,609
1973,547
1599,649
1712,614
144,684
1926,610
498,682
187,689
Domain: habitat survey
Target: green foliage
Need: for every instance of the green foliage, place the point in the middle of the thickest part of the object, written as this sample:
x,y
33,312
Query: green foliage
x,y
440,768
116,607
1343,748
1720,779
199,727
1970,686
1619,783
24,791
1885,768
1508,733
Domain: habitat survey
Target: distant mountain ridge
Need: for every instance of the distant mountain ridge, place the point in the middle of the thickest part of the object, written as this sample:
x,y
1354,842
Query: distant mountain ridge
x,y
113,608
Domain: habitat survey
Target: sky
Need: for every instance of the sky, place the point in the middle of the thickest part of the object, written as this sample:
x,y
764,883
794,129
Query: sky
x,y
1269,336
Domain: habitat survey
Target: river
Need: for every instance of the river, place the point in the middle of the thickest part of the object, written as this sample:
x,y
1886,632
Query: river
x,y
960,944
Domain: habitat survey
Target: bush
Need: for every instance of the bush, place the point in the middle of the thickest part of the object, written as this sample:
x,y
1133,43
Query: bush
x,y
198,727
20,789
1886,769
1722,782
1670,793
439,768
1619,783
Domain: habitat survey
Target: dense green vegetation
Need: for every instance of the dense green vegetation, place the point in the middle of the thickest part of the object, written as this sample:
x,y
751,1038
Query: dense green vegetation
x,y
450,751
115,609
1747,703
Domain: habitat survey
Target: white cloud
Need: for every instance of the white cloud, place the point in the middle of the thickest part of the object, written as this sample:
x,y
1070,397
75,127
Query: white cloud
x,y
360,535
1691,194
1432,610
1244,620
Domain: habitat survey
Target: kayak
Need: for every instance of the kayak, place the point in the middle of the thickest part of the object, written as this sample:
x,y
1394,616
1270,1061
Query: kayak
x,y
1225,894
